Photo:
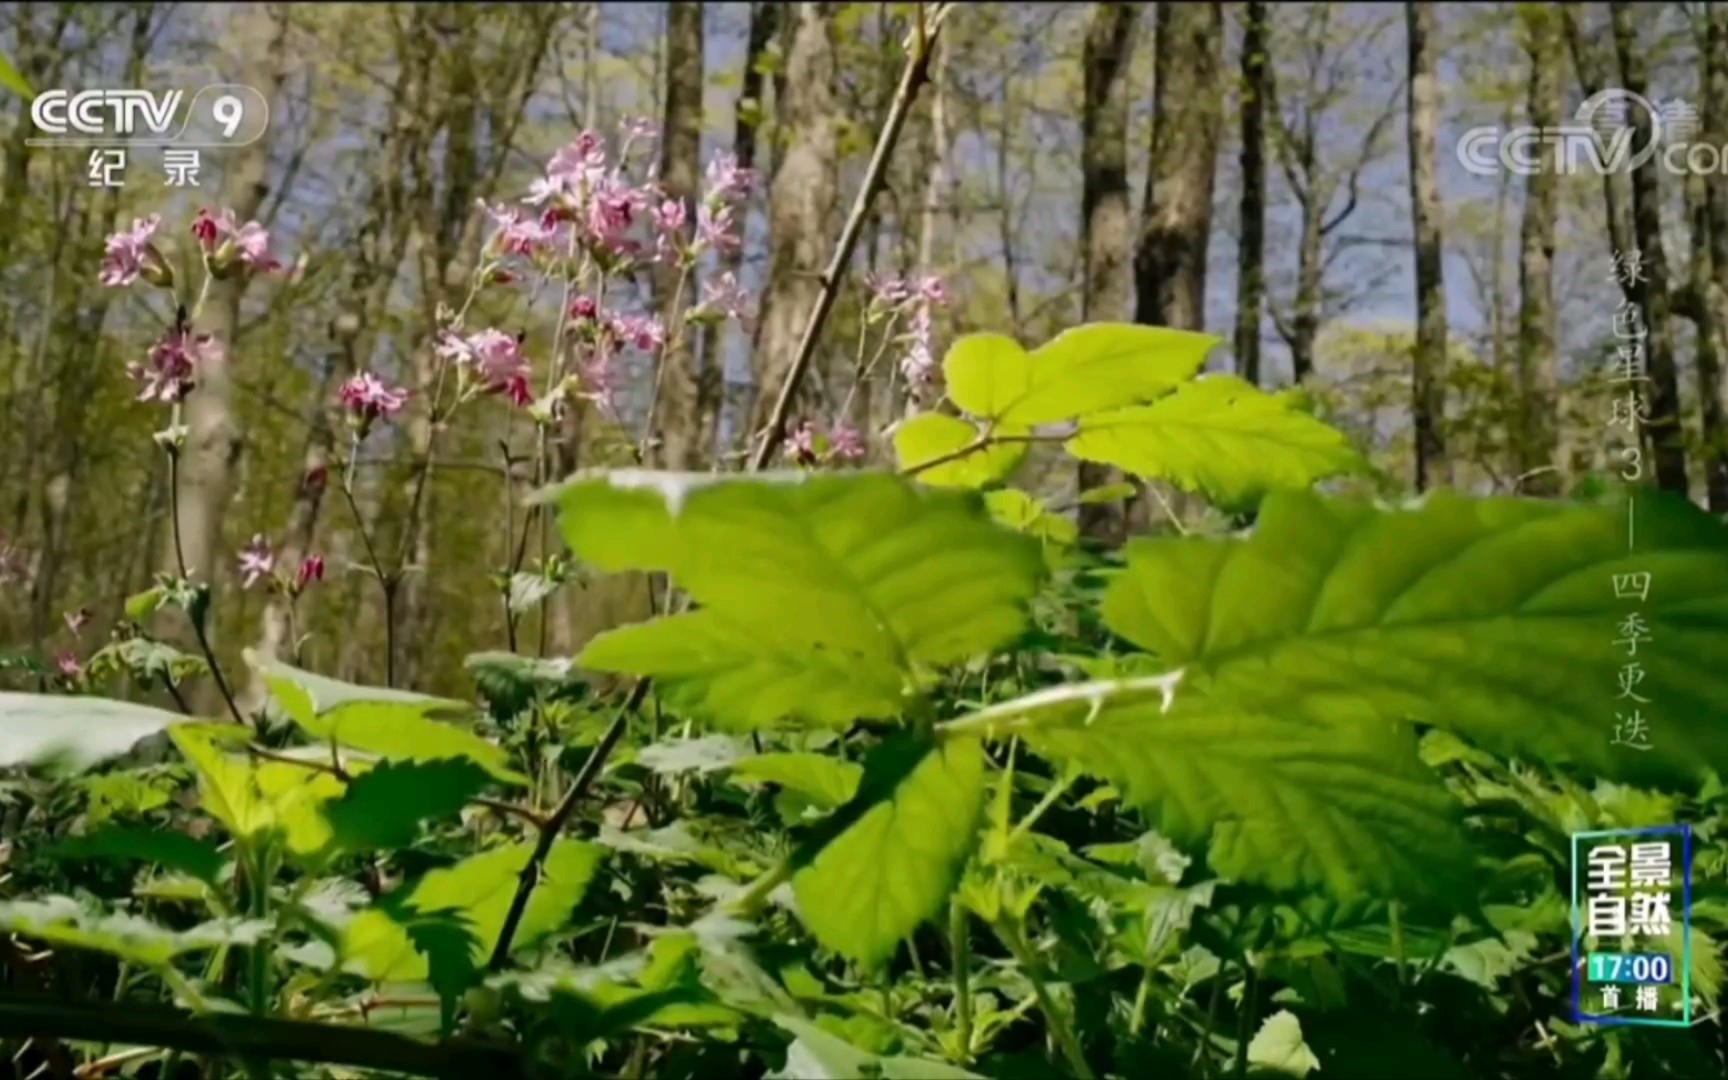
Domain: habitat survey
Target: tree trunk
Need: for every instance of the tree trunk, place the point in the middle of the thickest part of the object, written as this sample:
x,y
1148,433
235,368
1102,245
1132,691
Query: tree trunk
x,y
1650,289
764,25
1251,246
801,205
1538,331
213,440
1176,217
1428,359
1105,224
1713,288
677,394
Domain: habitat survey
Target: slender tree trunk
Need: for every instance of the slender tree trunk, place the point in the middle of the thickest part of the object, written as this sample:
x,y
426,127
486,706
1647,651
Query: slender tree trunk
x,y
1176,217
1538,331
1650,289
764,25
1306,311
1428,360
801,205
1251,248
1105,223
1713,288
1593,78
678,396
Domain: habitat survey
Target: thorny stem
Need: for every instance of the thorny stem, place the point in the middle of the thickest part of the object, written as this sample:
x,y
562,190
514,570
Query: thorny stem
x,y
928,28
556,820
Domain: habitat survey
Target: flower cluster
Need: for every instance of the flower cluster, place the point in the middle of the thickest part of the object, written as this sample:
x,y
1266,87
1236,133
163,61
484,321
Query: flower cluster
x,y
810,445
130,254
227,243
491,360
912,300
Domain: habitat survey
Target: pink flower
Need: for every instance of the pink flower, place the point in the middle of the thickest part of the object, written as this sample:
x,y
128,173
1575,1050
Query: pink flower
x,y
314,478
69,665
584,308
641,332
518,233
715,228
801,444
172,369
495,359
919,363
846,443
725,297
886,291
311,571
224,239
601,380
77,620
128,254
256,561
367,398
727,180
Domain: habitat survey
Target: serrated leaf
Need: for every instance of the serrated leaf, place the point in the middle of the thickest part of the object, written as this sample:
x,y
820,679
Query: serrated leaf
x,y
252,799
1081,371
887,860
1496,619
478,890
69,732
383,809
1278,1046
171,850
1344,806
62,921
932,437
1220,436
826,781
307,695
823,596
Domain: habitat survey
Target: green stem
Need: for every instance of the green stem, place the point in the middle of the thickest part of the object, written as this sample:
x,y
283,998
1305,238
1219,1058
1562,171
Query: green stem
x,y
1397,927
1245,1015
1061,1026
961,943
1051,797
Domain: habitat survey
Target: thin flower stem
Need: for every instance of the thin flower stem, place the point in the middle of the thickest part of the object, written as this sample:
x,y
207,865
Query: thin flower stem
x,y
195,618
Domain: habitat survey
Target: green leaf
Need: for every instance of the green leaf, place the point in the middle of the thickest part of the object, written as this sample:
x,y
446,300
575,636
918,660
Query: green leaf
x,y
13,81
71,732
171,850
382,809
1278,1046
392,724
255,799
1109,493
823,596
1023,513
1081,371
815,1054
930,437
702,755
479,890
62,921
142,605
1220,436
887,860
1345,806
1495,619
827,782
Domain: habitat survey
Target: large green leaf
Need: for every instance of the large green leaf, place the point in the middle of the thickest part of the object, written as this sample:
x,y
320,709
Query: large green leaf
x,y
1291,803
823,596
931,445
72,732
1220,436
1496,619
393,724
1081,371
253,799
826,781
887,860
477,891
62,921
